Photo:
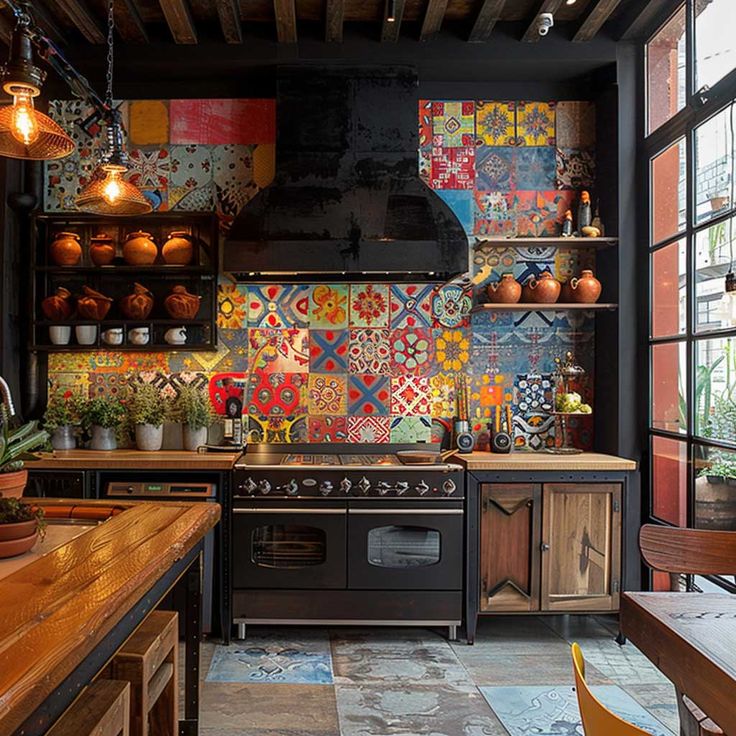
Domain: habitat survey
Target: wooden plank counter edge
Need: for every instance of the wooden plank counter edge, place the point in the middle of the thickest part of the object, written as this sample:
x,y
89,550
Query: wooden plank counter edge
x,y
57,609
160,460
544,461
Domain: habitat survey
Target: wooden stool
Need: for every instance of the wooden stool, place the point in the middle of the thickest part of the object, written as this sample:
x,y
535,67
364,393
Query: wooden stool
x,y
148,661
103,709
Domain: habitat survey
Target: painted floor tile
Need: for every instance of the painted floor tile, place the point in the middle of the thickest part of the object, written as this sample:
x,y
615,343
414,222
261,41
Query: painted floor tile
x,y
411,305
410,429
452,168
495,123
424,163
232,176
369,429
369,351
442,396
453,124
369,305
533,393
328,351
369,394
412,351
328,393
274,306
660,701
329,306
535,123
327,429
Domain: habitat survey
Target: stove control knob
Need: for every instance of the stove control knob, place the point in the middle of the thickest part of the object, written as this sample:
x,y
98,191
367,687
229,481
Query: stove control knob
x,y
421,488
248,486
291,488
345,485
325,487
364,484
383,487
401,487
449,487
264,487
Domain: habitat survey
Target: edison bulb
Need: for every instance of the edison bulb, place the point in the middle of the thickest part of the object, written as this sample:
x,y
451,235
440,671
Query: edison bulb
x,y
24,124
111,189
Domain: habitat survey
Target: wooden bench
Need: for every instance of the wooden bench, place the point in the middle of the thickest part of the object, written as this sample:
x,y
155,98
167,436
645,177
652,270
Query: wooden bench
x,y
103,709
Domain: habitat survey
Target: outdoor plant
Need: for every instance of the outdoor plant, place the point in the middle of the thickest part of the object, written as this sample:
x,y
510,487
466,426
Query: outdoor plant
x,y
719,468
62,410
16,445
13,511
194,408
147,406
103,411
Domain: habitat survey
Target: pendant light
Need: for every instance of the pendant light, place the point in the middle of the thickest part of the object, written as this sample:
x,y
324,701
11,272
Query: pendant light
x,y
24,131
108,193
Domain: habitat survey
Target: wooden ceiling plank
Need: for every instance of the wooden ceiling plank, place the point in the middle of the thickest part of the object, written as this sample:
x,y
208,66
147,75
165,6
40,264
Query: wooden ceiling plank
x,y
433,17
488,16
179,20
6,29
546,6
334,18
285,12
78,13
391,29
601,12
129,23
645,19
228,11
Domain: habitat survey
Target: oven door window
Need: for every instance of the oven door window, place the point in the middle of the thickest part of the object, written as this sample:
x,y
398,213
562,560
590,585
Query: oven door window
x,y
288,546
402,547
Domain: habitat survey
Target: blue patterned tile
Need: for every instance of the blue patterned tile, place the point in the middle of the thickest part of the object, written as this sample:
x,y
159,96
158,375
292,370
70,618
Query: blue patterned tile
x,y
495,168
460,201
536,168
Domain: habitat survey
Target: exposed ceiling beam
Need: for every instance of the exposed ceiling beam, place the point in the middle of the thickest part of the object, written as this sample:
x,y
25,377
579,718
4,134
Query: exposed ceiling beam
x,y
433,17
546,6
391,28
79,15
179,20
600,13
6,29
129,23
646,18
488,15
285,20
48,21
228,11
333,20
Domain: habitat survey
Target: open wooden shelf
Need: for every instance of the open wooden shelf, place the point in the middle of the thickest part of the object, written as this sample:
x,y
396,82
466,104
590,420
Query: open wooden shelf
x,y
556,242
558,307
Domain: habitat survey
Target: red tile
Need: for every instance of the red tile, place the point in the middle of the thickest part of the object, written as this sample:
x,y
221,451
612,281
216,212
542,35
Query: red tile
x,y
221,122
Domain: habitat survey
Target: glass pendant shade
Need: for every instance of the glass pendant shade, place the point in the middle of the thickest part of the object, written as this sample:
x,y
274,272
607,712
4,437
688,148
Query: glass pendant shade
x,y
109,194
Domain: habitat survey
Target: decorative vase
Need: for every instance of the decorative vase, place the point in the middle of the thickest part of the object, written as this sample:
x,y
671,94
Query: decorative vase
x,y
180,304
149,437
178,249
86,334
13,484
542,290
103,438
62,438
60,334
585,214
193,438
58,306
101,249
139,249
17,537
586,289
505,291
93,305
65,249
138,305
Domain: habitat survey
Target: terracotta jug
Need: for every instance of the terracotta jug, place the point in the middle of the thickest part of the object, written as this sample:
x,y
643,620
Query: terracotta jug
x,y
586,289
101,249
137,305
542,290
505,291
139,249
65,249
180,304
178,249
58,306
93,305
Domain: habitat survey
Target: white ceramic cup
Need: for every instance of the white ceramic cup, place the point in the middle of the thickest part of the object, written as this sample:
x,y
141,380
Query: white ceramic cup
x,y
138,335
60,334
176,336
113,336
86,334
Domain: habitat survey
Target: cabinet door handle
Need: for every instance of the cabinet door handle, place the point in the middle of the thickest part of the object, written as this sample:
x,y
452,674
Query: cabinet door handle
x,y
544,547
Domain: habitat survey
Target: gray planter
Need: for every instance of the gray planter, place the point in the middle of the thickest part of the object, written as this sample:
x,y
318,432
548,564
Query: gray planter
x,y
103,438
62,438
149,437
194,438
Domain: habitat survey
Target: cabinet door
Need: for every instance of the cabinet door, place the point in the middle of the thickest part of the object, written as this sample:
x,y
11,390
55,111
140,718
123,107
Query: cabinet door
x,y
581,546
509,547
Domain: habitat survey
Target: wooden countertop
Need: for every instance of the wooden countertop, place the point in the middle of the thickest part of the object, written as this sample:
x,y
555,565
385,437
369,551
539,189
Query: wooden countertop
x,y
544,461
133,459
57,609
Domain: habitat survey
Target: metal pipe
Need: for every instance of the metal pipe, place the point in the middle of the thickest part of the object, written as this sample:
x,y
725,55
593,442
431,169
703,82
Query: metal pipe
x,y
7,397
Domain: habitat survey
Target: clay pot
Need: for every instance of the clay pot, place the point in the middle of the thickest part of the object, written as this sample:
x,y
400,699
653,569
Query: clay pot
x,y
505,291
15,547
542,290
93,305
138,305
58,306
586,289
101,249
178,249
17,529
13,484
180,304
65,249
139,249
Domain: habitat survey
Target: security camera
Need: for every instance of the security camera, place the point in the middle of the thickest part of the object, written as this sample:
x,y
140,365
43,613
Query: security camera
x,y
545,21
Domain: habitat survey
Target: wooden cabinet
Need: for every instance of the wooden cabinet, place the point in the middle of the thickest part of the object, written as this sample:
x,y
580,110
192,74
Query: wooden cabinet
x,y
550,547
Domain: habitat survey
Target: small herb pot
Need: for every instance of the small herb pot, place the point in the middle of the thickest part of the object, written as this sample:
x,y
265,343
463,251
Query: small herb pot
x,y
194,438
149,437
62,438
103,438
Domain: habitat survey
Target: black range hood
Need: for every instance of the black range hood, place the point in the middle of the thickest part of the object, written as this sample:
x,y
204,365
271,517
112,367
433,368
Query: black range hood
x,y
346,202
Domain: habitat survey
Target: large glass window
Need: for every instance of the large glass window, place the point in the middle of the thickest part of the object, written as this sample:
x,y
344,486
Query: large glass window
x,y
715,44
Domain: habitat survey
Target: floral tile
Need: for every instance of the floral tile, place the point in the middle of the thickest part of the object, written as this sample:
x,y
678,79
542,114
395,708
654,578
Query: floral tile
x,y
369,305
451,305
329,306
232,175
190,182
278,305
453,124
494,214
328,351
574,169
278,351
367,430
442,396
411,305
535,168
460,201
276,429
278,394
576,124
533,393
224,385
495,123
108,384
369,394
452,168
425,123
327,428
411,429
369,351
409,396
150,169
535,123
412,351
328,393
232,305
452,350
495,168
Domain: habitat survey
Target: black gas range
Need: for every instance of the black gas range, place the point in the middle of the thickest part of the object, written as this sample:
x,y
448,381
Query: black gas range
x,y
346,535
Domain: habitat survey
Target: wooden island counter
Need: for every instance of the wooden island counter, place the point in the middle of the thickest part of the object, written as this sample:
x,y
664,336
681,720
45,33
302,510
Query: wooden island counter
x,y
64,614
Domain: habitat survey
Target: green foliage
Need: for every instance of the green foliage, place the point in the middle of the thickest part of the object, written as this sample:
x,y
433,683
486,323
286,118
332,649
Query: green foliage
x,y
16,445
147,406
720,467
13,510
62,411
102,411
194,408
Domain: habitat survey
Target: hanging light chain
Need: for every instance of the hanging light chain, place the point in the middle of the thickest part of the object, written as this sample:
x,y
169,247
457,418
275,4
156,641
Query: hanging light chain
x,y
110,41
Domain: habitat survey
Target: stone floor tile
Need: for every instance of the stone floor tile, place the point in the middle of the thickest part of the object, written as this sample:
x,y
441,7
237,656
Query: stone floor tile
x,y
571,628
625,665
660,701
516,628
394,637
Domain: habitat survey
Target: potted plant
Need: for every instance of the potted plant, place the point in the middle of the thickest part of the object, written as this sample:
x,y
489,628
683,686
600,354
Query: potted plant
x,y
15,447
104,416
60,420
195,413
20,526
148,410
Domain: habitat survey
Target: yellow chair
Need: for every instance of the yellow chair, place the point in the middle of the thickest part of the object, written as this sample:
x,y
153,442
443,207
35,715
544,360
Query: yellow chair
x,y
597,719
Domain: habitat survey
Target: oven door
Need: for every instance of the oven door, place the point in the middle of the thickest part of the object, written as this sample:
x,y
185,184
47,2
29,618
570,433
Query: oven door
x,y
289,547
406,547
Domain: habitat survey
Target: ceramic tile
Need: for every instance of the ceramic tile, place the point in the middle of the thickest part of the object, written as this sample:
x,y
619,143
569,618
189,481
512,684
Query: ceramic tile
x,y
329,306
327,429
424,163
493,214
452,168
369,305
411,305
495,123
150,171
533,394
328,394
148,123
410,396
453,124
410,429
232,175
460,201
369,351
576,124
452,350
535,168
574,169
190,183
442,396
279,305
224,385
277,429
451,305
232,305
495,168
535,123
278,351
369,395
425,123
278,394
412,351
369,429
328,351
625,665
660,701
538,214
223,121
210,360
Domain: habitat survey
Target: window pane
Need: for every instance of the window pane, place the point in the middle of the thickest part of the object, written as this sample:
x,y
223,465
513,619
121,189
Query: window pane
x,y
668,387
715,488
715,47
714,143
669,277
715,248
668,192
715,389
669,480
666,71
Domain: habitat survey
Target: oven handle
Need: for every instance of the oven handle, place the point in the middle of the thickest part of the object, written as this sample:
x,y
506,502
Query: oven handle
x,y
290,511
413,512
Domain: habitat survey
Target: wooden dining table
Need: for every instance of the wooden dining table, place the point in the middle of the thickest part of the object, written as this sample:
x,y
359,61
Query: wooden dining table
x,y
691,638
